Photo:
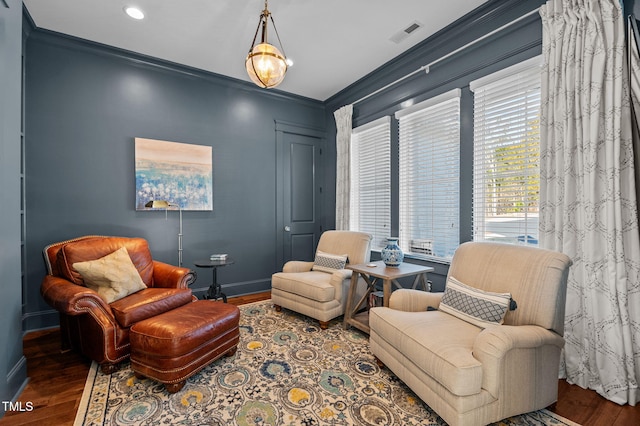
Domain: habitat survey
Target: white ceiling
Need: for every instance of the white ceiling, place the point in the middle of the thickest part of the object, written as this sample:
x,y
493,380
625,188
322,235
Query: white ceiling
x,y
333,43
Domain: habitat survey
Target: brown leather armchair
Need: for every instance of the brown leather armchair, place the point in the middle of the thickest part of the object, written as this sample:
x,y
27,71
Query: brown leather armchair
x,y
89,324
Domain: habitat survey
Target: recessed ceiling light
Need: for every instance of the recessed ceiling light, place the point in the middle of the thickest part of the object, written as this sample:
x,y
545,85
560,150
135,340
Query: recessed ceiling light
x,y
134,12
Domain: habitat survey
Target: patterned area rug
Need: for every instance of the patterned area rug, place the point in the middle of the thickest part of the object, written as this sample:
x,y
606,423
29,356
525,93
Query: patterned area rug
x,y
286,372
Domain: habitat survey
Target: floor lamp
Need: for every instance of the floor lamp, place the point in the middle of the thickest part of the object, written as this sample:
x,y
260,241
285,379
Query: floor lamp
x,y
163,204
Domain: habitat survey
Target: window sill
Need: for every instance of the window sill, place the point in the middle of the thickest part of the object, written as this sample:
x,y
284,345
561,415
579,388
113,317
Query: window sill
x,y
424,258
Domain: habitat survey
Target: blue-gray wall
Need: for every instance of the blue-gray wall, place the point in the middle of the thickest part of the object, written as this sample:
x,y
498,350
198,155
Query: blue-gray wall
x,y
514,44
12,363
85,104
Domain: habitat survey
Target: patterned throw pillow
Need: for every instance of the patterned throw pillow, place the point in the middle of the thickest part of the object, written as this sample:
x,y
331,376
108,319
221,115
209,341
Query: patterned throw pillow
x,y
327,262
112,277
481,308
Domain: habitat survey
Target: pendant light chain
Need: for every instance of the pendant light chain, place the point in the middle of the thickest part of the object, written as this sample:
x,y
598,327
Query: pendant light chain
x,y
278,37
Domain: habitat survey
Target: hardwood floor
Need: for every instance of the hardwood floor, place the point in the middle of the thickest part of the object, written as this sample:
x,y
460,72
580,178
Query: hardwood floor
x,y
57,381
587,408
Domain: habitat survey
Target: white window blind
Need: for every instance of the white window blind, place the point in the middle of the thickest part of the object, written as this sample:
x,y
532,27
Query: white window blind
x,y
370,198
506,176
429,175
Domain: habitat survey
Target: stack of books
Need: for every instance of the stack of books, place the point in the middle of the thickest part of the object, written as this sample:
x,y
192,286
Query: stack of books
x,y
219,257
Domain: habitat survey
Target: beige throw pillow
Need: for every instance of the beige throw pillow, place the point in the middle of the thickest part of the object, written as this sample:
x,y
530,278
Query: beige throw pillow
x,y
112,277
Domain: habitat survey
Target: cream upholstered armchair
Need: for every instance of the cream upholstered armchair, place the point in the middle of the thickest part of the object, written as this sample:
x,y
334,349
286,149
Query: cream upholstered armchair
x,y
469,366
319,289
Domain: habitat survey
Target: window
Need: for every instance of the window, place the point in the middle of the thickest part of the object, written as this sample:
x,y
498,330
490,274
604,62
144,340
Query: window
x,y
429,175
506,176
370,199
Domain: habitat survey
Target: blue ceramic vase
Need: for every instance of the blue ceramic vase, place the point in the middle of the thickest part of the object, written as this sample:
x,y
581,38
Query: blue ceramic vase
x,y
392,254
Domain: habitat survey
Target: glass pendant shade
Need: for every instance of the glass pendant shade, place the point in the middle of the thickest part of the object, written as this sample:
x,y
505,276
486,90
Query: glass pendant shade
x,y
265,63
266,66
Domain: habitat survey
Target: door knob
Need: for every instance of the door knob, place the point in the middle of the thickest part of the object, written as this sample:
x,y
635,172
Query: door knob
x,y
287,228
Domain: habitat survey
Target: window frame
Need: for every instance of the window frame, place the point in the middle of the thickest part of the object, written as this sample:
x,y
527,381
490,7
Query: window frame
x,y
507,150
427,239
377,132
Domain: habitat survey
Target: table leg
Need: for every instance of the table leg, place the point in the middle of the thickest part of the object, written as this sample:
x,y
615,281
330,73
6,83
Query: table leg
x,y
215,289
425,282
386,291
348,313
421,279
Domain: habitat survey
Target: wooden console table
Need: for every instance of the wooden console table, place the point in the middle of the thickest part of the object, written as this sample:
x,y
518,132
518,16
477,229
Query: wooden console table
x,y
371,273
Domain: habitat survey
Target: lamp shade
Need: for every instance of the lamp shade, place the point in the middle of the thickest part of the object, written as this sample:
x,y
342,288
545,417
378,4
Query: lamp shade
x,y
157,204
266,66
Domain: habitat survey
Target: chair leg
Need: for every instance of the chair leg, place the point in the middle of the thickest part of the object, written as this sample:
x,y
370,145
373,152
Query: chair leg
x,y
232,351
324,325
174,387
378,362
65,344
108,368
278,308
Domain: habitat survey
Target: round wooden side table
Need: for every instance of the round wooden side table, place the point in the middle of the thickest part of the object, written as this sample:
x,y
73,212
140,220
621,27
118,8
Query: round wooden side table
x,y
215,289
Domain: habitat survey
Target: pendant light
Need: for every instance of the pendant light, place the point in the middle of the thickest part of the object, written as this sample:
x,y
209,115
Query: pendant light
x,y
265,64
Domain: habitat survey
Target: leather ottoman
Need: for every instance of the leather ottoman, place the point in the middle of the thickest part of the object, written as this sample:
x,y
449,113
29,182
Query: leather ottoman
x,y
175,345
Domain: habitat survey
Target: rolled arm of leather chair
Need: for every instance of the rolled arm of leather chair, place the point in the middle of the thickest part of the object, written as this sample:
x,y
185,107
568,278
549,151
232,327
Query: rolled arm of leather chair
x,y
170,276
71,299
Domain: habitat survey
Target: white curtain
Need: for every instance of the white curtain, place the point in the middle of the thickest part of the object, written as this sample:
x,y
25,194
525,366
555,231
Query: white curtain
x,y
634,76
343,117
587,192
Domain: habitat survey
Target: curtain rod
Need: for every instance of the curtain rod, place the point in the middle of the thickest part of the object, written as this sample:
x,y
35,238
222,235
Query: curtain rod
x,y
442,58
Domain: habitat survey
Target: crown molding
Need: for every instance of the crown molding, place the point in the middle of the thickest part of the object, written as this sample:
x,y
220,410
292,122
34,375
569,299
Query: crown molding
x,y
28,25
54,38
475,24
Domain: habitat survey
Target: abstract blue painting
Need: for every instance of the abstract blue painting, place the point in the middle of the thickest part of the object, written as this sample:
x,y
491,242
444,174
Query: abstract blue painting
x,y
179,173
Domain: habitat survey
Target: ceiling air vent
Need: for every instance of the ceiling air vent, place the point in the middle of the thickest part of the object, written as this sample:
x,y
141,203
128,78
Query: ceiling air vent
x,y
402,34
